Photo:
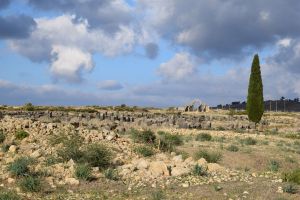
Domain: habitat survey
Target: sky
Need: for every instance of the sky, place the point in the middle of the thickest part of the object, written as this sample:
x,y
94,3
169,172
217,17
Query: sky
x,y
157,53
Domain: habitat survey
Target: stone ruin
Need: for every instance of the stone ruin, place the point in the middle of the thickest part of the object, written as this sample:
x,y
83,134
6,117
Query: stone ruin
x,y
195,105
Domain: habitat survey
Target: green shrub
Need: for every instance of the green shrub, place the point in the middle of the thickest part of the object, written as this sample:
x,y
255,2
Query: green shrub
x,y
274,165
144,151
111,174
28,107
199,171
83,172
211,157
5,147
249,141
158,195
292,176
21,134
233,148
147,136
71,149
167,141
20,167
203,137
9,195
292,189
98,155
2,136
31,184
70,152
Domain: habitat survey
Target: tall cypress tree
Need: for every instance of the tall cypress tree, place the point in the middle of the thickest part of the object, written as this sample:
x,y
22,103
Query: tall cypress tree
x,y
255,99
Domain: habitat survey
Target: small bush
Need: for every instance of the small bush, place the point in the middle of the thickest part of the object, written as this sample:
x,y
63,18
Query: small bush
x,y
83,172
144,151
199,171
71,149
233,148
20,167
158,195
2,136
293,176
274,166
167,141
147,136
21,134
204,137
111,174
31,184
98,155
5,147
211,157
292,189
249,141
28,107
9,195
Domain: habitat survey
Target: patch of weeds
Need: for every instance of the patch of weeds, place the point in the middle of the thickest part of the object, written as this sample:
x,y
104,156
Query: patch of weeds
x,y
158,195
83,172
9,195
147,136
290,160
20,167
21,134
2,136
184,154
274,165
5,147
249,141
98,155
31,184
188,138
291,189
204,137
57,139
167,141
28,107
221,139
292,176
71,149
221,128
51,160
265,142
144,151
111,174
211,157
272,132
233,148
217,188
292,135
199,171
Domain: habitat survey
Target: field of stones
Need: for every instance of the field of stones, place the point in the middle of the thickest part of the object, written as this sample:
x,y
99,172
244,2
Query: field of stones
x,y
108,153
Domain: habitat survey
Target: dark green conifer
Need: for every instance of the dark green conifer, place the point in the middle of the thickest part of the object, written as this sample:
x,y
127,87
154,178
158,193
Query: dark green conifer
x,y
255,99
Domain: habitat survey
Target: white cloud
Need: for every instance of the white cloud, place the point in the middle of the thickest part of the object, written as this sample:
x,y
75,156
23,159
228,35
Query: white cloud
x,y
56,39
181,66
109,85
68,62
284,42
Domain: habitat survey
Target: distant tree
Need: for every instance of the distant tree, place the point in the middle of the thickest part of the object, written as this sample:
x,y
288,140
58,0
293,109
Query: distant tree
x,y
255,99
28,107
282,98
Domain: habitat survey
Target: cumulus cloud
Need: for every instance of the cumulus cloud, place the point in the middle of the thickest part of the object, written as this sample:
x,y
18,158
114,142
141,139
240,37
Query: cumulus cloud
x,y
222,28
110,85
16,26
109,15
49,41
181,66
68,62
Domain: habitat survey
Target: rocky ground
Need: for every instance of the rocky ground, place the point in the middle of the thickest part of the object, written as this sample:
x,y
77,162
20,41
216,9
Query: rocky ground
x,y
148,155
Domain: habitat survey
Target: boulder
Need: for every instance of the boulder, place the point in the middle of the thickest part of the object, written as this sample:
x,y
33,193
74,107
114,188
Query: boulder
x,y
158,168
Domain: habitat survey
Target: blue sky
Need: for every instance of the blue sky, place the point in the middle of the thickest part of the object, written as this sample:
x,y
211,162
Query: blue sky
x,y
146,53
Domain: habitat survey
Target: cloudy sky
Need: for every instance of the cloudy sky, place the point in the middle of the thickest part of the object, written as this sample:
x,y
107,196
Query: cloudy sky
x,y
146,52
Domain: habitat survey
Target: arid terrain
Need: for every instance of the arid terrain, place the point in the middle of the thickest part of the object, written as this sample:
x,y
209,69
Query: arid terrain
x,y
133,153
